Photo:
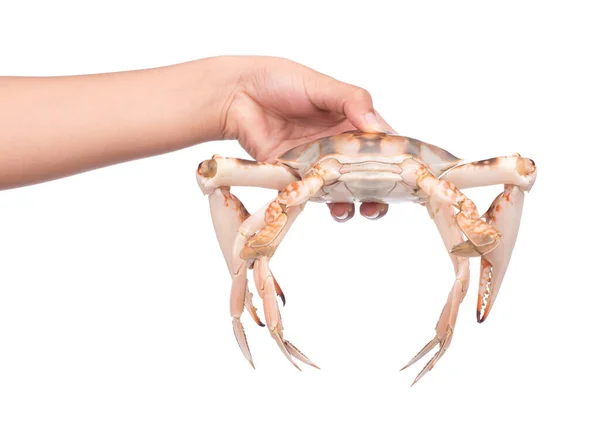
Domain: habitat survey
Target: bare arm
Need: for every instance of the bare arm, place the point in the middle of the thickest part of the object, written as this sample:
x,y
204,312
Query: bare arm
x,y
58,126
52,127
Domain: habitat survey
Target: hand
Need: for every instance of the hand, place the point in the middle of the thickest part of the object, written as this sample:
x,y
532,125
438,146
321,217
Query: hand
x,y
277,104
59,126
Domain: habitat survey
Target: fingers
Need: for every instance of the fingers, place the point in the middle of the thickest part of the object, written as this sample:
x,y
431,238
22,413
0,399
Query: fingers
x,y
373,210
355,103
344,211
341,211
386,127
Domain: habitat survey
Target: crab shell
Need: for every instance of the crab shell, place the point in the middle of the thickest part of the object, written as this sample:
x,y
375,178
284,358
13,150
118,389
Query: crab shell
x,y
372,165
355,146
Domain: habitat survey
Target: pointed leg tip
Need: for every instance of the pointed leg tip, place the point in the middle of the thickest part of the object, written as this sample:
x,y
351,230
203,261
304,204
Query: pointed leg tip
x,y
279,292
256,319
240,336
293,351
419,376
428,347
407,365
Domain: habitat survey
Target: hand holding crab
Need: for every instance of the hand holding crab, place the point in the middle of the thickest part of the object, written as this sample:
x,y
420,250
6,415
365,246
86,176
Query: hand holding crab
x,y
276,109
277,105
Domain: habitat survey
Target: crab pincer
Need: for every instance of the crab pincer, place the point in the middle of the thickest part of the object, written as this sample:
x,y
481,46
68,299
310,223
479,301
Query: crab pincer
x,y
504,214
518,175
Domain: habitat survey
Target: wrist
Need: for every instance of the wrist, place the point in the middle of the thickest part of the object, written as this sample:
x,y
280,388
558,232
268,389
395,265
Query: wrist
x,y
219,80
196,100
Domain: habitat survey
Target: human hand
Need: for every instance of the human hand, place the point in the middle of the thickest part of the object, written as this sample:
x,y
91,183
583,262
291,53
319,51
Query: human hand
x,y
277,104
58,126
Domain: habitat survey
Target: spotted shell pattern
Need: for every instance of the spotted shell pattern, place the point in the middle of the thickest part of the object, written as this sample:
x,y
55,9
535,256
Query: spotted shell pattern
x,y
355,146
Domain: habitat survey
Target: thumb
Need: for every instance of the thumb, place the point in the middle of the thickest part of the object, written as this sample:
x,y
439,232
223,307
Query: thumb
x,y
355,103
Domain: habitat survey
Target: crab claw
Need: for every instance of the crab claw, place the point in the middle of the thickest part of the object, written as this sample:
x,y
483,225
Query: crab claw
x,y
505,215
482,237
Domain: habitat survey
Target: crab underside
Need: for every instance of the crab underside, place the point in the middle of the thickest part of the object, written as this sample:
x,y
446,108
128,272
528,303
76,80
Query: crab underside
x,y
370,168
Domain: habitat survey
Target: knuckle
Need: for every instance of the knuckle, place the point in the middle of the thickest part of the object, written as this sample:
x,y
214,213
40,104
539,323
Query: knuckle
x,y
361,95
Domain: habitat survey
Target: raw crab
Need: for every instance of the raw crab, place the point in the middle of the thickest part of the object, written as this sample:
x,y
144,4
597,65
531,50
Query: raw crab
x,y
364,167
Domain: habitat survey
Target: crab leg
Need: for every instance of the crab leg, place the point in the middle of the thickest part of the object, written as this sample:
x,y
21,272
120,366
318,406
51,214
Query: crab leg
x,y
443,216
239,268
214,177
229,216
228,213
481,236
218,172
276,219
266,285
514,170
518,175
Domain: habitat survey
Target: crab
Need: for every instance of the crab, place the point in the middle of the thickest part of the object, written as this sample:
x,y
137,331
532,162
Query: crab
x,y
376,168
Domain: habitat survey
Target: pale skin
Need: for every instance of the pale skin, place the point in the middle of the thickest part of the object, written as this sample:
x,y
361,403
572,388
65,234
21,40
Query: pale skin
x,y
53,127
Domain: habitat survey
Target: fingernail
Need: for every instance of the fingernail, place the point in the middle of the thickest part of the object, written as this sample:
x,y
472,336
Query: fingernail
x,y
371,120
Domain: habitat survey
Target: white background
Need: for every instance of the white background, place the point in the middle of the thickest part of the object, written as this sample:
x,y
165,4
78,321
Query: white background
x,y
114,295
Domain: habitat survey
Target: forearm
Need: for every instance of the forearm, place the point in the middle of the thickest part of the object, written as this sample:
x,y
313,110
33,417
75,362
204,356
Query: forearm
x,y
52,127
